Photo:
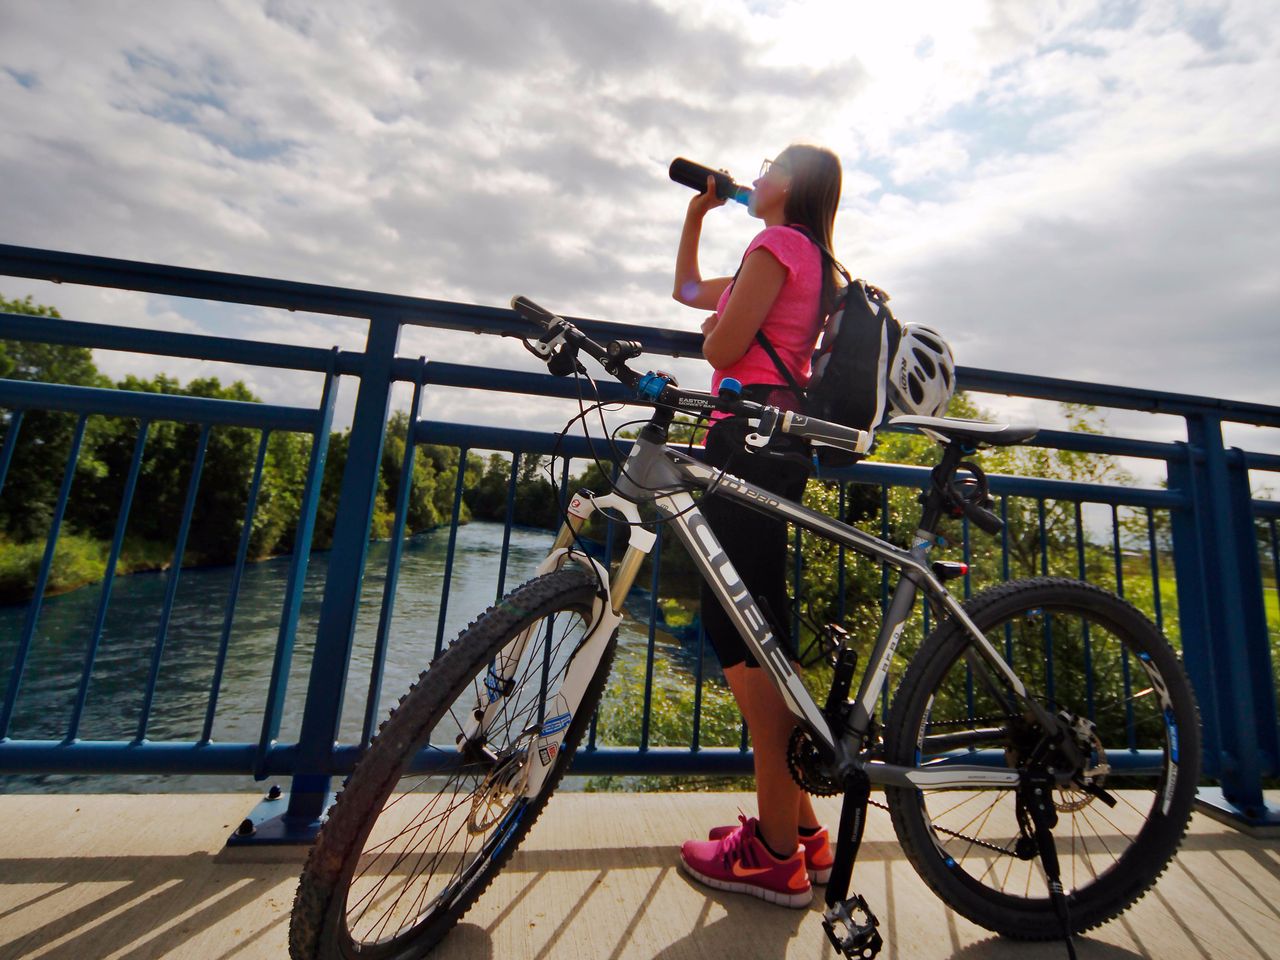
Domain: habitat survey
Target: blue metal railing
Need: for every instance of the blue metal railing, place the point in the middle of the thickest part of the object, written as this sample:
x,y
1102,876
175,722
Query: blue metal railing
x,y
888,476
1216,527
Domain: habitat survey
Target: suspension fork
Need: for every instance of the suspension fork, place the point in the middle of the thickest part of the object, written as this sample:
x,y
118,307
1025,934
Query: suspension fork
x,y
640,545
545,739
613,590
576,514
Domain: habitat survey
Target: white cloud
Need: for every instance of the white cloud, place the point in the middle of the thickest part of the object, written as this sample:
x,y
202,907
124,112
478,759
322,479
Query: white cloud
x,y
930,158
1061,187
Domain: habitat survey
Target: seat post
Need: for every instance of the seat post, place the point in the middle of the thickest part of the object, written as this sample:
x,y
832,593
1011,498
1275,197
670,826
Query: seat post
x,y
934,500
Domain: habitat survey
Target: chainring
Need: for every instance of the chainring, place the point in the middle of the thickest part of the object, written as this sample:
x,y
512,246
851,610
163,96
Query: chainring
x,y
805,763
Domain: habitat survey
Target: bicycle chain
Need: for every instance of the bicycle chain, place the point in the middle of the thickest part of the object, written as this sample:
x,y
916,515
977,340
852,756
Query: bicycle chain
x,y
959,836
968,721
801,753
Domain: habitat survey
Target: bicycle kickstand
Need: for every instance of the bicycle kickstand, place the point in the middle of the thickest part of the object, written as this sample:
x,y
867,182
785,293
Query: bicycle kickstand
x,y
1036,800
850,925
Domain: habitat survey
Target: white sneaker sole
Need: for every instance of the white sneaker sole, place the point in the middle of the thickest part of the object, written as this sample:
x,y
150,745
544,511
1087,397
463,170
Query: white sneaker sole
x,y
796,901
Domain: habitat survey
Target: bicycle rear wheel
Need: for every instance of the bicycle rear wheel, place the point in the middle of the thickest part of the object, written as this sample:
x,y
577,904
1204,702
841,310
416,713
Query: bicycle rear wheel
x,y
1081,650
420,829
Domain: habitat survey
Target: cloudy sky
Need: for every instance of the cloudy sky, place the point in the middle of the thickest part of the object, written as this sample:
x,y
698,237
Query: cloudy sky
x,y
1085,189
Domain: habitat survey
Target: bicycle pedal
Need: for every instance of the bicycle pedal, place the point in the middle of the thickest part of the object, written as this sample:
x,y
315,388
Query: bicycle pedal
x,y
847,935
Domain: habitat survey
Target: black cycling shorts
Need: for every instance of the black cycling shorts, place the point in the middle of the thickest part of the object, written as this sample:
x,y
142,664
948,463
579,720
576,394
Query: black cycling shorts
x,y
755,544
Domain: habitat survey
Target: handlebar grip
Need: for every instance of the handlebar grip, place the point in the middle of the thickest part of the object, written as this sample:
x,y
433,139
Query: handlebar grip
x,y
832,434
532,312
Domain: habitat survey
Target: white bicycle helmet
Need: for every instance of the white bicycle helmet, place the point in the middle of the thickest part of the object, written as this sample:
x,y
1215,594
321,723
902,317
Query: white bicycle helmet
x,y
922,377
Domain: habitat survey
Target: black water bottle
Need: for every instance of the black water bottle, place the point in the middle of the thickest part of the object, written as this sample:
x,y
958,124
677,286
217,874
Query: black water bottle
x,y
694,175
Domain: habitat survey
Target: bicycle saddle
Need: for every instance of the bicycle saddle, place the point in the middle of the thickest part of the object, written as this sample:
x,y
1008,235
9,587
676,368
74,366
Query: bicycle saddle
x,y
974,432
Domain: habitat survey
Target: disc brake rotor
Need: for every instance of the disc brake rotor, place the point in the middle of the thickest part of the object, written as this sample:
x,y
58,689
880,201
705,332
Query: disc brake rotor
x,y
1095,771
503,786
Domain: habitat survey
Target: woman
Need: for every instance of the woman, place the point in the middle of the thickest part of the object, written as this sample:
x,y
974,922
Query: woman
x,y
783,279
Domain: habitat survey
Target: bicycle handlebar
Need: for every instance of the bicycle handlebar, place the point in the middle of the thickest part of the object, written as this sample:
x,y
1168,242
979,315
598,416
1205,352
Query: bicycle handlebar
x,y
559,334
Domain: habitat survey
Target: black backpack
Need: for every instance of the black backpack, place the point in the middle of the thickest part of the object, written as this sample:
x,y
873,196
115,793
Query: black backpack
x,y
850,381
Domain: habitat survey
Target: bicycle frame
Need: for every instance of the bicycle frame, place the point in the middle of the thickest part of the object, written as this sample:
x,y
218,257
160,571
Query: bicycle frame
x,y
654,468
563,625
661,475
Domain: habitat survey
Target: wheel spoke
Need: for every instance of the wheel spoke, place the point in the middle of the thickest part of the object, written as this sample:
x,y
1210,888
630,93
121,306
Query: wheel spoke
x,y
440,851
416,827
1101,839
425,855
415,820
943,709
1129,803
972,795
1112,824
990,809
1004,883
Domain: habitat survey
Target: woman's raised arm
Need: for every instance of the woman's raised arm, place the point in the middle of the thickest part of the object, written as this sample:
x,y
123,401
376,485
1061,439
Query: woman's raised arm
x,y
690,288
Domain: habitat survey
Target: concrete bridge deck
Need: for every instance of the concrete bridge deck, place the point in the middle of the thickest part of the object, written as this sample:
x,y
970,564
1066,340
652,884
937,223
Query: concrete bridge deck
x,y
119,876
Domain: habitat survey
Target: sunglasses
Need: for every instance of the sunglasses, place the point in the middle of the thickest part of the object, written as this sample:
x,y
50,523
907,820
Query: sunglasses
x,y
770,165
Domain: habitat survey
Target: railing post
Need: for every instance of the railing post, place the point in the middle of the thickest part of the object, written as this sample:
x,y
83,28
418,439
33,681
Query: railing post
x,y
1223,621
322,713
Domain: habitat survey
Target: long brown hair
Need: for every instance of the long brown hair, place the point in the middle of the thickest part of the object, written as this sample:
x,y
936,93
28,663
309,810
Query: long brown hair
x,y
816,179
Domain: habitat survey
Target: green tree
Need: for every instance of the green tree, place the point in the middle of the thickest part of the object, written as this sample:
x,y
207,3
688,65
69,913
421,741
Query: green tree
x,y
435,474
327,510
44,438
280,497
444,462
537,501
43,446
218,519
865,581
487,498
423,510
168,460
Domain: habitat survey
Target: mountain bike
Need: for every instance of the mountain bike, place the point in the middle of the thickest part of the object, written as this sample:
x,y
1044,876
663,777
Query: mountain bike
x,y
1039,759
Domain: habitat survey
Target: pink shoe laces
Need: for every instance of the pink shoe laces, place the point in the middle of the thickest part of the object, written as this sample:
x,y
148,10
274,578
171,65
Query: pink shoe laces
x,y
731,844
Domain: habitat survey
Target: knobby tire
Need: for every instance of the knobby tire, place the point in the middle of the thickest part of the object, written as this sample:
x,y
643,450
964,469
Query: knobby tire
x,y
322,927
1078,648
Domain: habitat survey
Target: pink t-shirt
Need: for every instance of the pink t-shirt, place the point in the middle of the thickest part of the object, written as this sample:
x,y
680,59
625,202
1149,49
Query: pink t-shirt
x,y
792,324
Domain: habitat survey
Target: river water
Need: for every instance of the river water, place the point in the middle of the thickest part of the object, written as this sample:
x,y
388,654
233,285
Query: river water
x,y
56,660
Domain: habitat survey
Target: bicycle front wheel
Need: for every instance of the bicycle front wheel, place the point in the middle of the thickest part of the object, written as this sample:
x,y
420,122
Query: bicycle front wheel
x,y
421,828
1085,655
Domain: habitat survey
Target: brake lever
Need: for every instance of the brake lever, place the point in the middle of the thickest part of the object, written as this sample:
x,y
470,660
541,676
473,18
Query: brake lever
x,y
764,432
547,344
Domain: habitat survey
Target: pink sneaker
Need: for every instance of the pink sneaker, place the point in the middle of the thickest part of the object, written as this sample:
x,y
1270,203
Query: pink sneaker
x,y
818,855
738,862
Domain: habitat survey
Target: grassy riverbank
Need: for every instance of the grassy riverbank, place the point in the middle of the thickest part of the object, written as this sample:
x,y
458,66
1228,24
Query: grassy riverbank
x,y
77,562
